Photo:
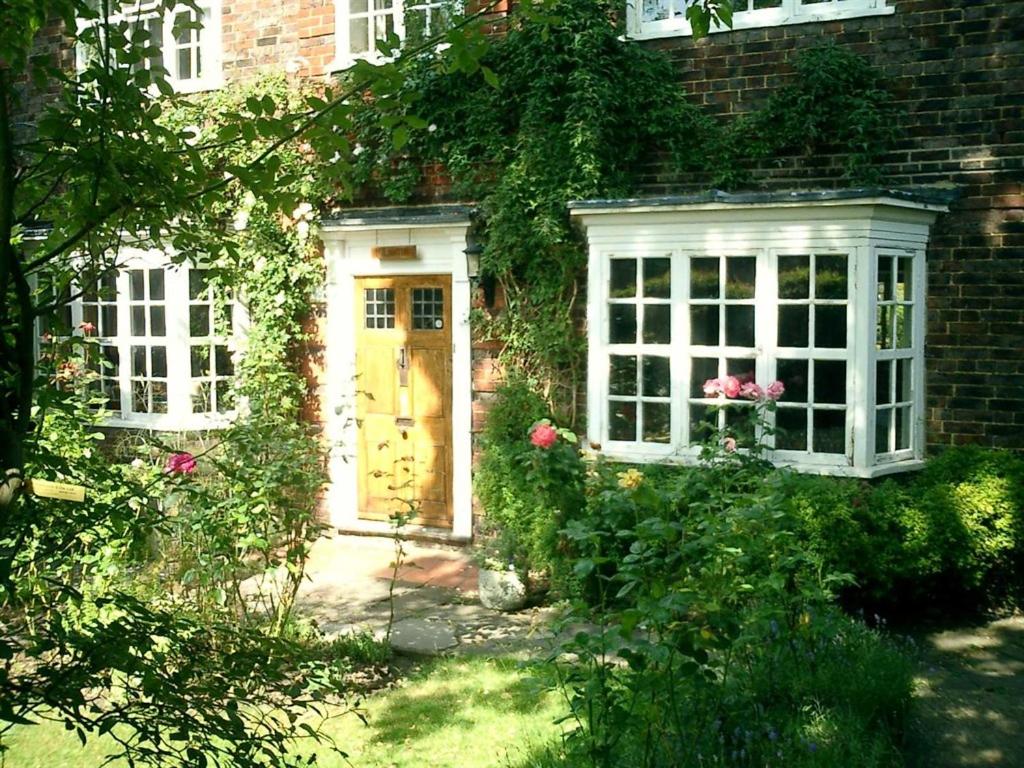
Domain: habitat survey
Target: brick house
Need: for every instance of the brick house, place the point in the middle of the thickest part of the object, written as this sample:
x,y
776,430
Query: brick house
x,y
895,315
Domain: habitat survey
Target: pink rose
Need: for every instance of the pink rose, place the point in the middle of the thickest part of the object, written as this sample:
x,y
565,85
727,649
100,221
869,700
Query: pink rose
x,y
87,328
543,435
729,444
731,386
181,464
751,391
712,387
775,390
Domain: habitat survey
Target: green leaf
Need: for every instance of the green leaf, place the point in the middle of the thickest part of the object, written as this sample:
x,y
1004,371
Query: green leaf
x,y
400,137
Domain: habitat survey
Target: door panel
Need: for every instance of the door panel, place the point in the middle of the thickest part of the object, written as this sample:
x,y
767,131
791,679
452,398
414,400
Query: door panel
x,y
403,411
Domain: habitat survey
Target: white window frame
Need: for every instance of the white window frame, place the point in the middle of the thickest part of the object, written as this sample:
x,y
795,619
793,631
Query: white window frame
x,y
209,45
343,55
789,12
177,340
862,230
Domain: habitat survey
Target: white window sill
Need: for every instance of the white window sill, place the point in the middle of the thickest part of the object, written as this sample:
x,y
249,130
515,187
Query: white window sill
x,y
166,423
769,17
197,86
823,464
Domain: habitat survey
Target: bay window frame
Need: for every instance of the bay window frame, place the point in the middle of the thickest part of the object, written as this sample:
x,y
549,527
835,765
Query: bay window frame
x,y
858,229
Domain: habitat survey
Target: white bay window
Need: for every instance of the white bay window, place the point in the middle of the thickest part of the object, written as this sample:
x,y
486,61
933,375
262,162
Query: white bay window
x,y
667,18
823,292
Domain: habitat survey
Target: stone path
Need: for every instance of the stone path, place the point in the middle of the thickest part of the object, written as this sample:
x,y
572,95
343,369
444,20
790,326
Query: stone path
x,y
435,600
969,704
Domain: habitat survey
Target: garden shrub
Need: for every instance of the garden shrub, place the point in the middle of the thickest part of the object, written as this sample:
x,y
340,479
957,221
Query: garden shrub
x,y
713,638
953,533
524,501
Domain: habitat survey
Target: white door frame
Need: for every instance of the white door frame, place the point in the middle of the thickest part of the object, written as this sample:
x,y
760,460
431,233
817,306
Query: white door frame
x,y
440,236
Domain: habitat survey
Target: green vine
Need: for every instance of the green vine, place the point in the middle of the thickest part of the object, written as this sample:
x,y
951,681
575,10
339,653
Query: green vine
x,y
272,260
575,113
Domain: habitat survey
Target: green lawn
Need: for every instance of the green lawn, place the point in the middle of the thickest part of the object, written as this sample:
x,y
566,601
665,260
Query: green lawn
x,y
468,713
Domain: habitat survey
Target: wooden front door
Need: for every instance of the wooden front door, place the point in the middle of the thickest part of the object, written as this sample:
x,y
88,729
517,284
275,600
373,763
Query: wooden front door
x,y
404,396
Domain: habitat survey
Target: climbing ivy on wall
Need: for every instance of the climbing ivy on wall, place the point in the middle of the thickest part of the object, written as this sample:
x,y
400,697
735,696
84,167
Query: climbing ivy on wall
x,y
575,112
267,256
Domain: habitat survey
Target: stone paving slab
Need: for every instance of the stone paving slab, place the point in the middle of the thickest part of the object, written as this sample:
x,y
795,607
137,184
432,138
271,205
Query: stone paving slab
x,y
436,610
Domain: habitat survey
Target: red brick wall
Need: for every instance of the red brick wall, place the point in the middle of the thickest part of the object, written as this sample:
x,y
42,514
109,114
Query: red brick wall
x,y
956,68
260,35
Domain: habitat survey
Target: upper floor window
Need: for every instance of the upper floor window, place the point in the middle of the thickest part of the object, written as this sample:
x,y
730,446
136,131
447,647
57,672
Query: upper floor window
x,y
165,352
361,24
183,43
665,18
826,297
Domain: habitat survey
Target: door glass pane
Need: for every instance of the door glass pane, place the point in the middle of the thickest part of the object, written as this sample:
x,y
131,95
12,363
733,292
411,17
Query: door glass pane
x,y
427,309
379,307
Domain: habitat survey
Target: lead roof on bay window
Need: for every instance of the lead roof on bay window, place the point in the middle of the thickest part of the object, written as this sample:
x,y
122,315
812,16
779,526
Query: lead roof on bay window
x,y
647,19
